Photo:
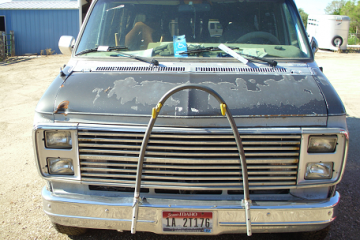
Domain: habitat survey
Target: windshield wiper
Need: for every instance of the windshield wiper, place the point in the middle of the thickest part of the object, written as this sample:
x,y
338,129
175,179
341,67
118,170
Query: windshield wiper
x,y
87,51
102,50
118,48
272,63
142,59
210,49
108,49
207,49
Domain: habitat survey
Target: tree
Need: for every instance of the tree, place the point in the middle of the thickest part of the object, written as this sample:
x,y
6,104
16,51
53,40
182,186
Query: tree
x,y
352,10
334,7
304,16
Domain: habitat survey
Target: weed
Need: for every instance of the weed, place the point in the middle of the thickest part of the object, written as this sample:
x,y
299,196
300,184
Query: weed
x,y
353,50
353,40
49,51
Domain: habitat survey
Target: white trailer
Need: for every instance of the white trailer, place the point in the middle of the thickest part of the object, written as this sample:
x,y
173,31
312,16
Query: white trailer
x,y
330,31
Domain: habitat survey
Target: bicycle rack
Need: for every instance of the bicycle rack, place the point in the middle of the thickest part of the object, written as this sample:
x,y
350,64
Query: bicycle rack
x,y
224,111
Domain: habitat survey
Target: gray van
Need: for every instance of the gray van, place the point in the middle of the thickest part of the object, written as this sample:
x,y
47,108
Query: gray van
x,y
200,117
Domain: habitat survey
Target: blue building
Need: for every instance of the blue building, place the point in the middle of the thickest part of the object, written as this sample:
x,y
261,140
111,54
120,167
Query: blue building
x,y
38,25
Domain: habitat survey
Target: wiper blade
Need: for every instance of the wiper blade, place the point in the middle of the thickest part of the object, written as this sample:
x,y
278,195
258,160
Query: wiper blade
x,y
102,49
270,62
207,49
238,55
108,49
210,49
87,51
142,59
118,48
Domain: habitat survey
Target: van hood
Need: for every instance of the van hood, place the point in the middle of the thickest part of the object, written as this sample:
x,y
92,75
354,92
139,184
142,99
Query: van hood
x,y
135,94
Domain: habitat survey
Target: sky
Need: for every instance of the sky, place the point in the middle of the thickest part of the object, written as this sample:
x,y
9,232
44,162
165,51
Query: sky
x,y
313,6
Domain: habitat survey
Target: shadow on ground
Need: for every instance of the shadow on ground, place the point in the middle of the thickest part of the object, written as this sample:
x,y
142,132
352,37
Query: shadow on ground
x,y
14,60
107,234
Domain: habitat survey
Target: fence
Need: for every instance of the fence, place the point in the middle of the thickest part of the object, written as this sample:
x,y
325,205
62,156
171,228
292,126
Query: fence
x,y
7,45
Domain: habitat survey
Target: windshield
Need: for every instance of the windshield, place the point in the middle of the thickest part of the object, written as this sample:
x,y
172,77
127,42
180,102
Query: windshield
x,y
191,29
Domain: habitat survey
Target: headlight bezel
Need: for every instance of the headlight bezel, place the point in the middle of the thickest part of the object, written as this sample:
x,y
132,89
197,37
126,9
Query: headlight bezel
x,y
338,157
42,152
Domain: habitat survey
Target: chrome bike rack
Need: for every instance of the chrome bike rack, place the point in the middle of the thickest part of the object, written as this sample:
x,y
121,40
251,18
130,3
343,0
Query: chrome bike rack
x,y
224,111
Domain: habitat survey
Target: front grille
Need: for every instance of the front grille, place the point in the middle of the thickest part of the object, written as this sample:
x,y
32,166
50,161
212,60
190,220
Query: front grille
x,y
203,162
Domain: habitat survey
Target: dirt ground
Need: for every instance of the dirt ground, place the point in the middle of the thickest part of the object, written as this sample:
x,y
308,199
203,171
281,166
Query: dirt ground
x,y
23,82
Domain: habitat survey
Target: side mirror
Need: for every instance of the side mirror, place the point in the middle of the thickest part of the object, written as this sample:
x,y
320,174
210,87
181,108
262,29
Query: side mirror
x,y
66,44
314,45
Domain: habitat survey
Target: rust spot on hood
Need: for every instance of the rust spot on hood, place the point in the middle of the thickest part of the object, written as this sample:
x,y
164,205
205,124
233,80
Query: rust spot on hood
x,y
62,107
108,89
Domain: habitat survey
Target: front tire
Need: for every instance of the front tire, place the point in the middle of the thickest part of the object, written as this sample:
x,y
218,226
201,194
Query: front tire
x,y
72,231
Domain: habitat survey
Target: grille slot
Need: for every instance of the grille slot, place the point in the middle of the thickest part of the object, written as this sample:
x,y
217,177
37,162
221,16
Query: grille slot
x,y
236,69
188,161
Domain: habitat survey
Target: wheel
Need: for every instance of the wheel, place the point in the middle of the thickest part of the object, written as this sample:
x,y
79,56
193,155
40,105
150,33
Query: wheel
x,y
263,35
317,235
337,41
72,231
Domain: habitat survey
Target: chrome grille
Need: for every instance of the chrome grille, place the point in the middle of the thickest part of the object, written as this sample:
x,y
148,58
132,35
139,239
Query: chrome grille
x,y
188,161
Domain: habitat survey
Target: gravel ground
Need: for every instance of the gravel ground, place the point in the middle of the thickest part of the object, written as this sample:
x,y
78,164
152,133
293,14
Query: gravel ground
x,y
22,83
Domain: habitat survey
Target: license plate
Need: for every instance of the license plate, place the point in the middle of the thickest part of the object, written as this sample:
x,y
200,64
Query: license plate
x,y
187,222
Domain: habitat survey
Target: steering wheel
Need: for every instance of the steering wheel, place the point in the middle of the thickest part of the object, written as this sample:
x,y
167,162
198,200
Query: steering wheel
x,y
264,35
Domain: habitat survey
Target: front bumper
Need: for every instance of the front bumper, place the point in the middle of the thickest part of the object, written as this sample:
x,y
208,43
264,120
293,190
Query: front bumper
x,y
228,216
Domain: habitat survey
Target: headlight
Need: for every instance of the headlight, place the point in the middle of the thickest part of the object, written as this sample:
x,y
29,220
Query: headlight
x,y
319,171
58,139
61,166
322,144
